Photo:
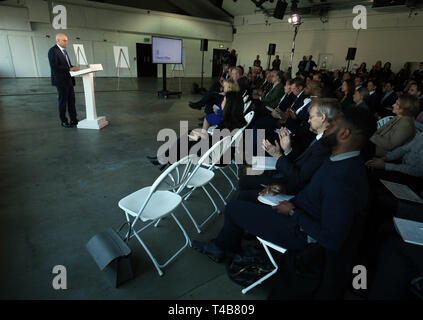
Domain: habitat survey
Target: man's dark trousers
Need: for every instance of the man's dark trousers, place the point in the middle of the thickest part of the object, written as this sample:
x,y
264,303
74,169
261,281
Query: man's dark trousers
x,y
258,219
66,98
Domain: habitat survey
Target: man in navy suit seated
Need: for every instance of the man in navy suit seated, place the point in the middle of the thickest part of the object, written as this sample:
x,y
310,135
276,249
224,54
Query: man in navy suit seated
x,y
60,65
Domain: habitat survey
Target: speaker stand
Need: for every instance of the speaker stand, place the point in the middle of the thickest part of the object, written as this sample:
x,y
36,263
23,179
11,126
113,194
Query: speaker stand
x,y
165,93
348,65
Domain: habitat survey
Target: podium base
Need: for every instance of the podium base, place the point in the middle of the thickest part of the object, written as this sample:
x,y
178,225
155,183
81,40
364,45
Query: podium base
x,y
96,124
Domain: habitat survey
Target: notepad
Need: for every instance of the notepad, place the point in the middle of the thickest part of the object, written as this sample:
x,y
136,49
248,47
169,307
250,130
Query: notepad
x,y
402,191
264,163
273,200
409,230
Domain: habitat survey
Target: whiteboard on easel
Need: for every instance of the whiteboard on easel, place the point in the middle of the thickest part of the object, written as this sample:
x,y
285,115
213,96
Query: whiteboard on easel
x,y
121,57
81,58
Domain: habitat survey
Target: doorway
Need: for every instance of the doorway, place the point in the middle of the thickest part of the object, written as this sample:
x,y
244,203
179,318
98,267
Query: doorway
x,y
217,62
145,65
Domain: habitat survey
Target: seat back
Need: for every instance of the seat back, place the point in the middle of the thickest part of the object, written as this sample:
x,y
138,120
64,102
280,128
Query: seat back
x,y
215,153
171,179
247,105
249,117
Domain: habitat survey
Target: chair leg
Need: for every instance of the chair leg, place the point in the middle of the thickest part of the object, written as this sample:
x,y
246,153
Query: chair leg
x,y
156,264
191,217
218,193
233,171
186,197
230,181
267,276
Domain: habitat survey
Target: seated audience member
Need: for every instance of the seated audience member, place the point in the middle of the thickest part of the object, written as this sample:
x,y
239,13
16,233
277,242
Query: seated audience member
x,y
418,74
362,69
272,98
387,73
232,118
417,91
265,87
400,129
374,99
297,88
402,76
296,168
358,82
213,119
411,166
388,99
376,72
360,96
347,90
336,81
238,76
322,212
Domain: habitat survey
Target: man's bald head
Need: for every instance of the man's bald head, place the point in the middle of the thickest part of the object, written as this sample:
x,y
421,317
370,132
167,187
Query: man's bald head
x,y
62,40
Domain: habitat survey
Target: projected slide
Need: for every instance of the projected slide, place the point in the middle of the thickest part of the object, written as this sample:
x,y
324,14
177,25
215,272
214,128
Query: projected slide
x,y
166,50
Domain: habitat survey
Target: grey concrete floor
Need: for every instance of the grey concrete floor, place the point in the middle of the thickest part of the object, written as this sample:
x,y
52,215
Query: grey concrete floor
x,y
59,187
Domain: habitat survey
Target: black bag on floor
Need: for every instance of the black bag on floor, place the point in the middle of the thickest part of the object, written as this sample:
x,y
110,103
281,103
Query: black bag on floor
x,y
248,268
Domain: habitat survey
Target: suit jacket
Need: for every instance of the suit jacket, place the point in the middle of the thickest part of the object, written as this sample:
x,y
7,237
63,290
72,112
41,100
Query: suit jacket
x,y
298,102
395,133
60,76
287,102
273,97
385,107
373,102
298,171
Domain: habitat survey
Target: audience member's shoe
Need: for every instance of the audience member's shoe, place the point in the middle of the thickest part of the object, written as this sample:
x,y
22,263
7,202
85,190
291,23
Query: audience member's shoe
x,y
152,158
210,249
154,162
194,106
74,123
65,125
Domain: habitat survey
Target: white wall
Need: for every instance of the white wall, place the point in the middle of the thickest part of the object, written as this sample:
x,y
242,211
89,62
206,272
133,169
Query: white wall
x,y
389,37
26,35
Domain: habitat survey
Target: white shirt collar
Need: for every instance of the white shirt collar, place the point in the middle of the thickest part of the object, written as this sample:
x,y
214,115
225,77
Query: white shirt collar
x,y
61,49
371,92
319,136
344,156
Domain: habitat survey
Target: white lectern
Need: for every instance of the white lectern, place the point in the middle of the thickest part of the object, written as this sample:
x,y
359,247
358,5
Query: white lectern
x,y
92,121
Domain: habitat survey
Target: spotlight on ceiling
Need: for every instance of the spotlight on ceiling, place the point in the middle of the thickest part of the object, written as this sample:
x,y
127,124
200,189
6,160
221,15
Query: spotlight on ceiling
x,y
294,19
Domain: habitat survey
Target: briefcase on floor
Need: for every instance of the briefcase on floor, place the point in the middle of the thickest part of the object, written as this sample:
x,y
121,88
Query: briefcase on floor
x,y
111,254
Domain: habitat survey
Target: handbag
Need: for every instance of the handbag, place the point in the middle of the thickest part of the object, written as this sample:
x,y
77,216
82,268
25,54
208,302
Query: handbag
x,y
111,253
248,268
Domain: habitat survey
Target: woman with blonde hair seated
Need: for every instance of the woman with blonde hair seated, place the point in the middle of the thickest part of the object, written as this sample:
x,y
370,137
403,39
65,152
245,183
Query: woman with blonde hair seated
x,y
213,119
400,129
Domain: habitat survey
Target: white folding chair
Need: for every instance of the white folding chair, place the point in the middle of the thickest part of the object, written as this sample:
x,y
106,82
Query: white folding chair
x,y
266,246
200,177
245,98
382,121
237,139
247,105
150,204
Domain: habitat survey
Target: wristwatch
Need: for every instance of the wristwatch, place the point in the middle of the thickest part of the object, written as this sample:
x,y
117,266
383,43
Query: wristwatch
x,y
291,212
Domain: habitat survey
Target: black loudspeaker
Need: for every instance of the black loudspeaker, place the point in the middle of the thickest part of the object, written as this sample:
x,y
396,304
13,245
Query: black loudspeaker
x,y
351,54
280,9
204,44
272,49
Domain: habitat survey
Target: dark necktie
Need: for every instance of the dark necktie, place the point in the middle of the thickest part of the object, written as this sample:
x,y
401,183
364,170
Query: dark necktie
x,y
67,57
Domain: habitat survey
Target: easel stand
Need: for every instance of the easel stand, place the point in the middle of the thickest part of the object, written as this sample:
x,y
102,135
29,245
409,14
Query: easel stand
x,y
121,54
174,70
165,93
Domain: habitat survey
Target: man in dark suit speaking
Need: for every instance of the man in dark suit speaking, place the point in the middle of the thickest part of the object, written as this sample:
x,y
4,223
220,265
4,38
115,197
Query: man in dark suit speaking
x,y
60,65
